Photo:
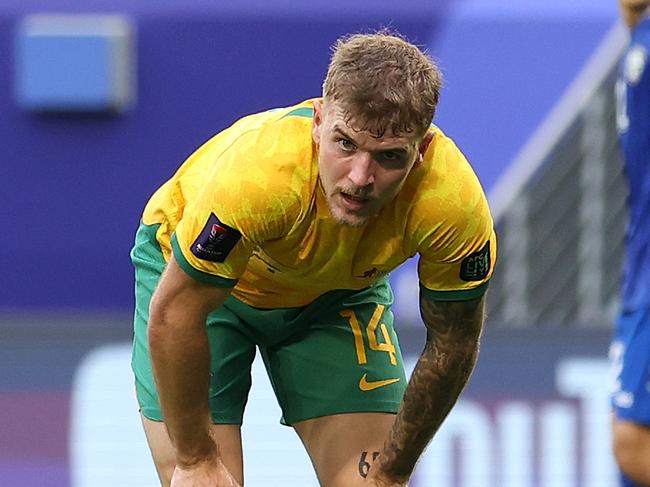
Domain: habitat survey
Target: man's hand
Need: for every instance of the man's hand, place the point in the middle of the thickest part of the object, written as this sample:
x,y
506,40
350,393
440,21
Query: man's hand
x,y
371,481
379,481
209,473
376,478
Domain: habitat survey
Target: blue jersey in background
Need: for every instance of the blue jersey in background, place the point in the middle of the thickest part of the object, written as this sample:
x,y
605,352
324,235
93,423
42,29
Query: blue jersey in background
x,y
633,119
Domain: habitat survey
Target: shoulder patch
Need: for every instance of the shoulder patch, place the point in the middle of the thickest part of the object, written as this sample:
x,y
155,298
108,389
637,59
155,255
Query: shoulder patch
x,y
476,266
215,241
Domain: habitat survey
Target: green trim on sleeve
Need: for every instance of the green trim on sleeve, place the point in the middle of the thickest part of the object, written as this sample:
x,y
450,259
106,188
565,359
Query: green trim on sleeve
x,y
301,112
460,295
196,274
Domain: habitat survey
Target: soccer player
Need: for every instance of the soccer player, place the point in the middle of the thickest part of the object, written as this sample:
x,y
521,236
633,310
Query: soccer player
x,y
278,235
630,349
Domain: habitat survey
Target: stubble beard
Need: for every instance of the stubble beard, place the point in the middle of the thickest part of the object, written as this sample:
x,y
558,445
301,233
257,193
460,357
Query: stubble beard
x,y
340,216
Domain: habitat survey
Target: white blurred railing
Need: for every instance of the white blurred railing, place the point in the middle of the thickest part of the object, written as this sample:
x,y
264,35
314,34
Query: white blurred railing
x,y
560,209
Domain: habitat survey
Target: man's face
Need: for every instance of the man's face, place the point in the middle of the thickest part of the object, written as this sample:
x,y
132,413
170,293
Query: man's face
x,y
360,173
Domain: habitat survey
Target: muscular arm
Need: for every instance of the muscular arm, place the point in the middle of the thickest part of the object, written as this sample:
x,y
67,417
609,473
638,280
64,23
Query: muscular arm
x,y
633,10
180,359
448,358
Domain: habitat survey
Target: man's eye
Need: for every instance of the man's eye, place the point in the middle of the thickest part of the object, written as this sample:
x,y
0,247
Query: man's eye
x,y
394,158
390,156
346,145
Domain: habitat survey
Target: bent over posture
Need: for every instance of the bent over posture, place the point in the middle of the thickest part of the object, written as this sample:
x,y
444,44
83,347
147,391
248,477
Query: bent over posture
x,y
278,235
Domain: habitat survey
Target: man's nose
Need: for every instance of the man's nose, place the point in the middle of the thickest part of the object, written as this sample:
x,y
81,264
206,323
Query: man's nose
x,y
362,171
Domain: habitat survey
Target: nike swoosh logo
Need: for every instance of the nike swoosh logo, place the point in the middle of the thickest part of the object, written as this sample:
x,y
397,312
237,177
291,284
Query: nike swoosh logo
x,y
364,385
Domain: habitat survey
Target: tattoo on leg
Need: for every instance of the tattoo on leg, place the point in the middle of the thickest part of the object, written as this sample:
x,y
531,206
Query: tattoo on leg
x,y
364,465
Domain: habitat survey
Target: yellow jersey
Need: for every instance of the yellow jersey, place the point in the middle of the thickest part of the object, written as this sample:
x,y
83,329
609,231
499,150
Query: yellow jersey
x,y
246,209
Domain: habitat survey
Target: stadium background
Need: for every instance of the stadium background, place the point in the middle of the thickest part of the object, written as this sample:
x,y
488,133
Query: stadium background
x,y
74,184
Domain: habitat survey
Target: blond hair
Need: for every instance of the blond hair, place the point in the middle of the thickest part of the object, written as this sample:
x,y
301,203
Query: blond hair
x,y
383,83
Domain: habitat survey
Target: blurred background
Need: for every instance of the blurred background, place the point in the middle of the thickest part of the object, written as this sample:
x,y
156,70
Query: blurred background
x,y
102,100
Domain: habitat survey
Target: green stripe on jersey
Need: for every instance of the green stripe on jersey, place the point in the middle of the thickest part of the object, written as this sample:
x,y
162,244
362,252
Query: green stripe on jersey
x,y
301,112
461,295
195,273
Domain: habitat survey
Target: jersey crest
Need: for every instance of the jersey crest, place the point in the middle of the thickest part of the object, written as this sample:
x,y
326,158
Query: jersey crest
x,y
634,64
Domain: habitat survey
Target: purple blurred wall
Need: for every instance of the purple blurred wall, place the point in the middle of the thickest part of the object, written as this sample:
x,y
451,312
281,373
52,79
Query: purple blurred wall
x,y
74,186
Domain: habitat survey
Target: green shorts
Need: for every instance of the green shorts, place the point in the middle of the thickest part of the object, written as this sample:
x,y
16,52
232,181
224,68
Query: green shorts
x,y
339,354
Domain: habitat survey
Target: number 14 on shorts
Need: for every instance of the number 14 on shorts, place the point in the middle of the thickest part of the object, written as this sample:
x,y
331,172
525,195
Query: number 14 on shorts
x,y
371,335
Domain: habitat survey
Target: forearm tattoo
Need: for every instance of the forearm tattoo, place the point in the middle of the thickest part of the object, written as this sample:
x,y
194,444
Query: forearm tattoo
x,y
453,333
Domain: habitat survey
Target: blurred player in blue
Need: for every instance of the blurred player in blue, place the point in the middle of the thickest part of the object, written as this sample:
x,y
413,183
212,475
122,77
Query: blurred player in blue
x,y
630,350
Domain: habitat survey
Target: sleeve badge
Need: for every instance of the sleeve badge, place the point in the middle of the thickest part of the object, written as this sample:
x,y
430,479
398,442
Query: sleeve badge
x,y
216,240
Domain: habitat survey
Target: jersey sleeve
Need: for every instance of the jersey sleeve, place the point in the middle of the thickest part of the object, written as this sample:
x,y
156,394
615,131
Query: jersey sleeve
x,y
458,245
461,271
245,200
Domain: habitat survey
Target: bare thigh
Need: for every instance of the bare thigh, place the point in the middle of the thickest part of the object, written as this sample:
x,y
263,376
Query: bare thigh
x,y
632,449
228,437
342,446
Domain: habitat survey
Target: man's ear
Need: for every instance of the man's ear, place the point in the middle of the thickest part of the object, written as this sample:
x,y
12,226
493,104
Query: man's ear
x,y
317,121
424,145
